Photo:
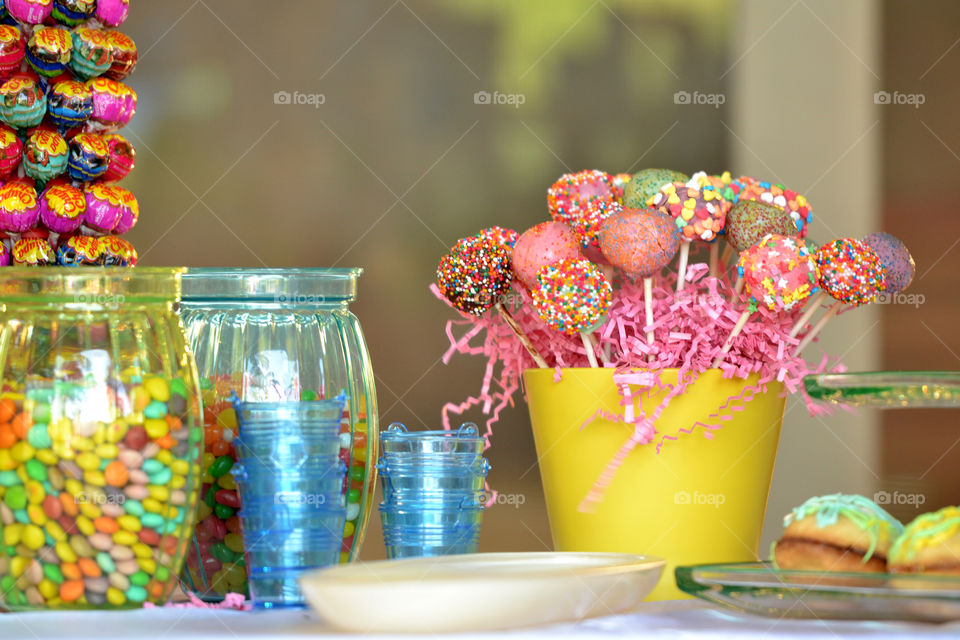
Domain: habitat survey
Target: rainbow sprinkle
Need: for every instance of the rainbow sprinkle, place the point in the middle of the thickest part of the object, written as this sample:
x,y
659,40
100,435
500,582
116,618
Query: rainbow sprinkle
x,y
778,273
851,271
573,295
475,275
573,194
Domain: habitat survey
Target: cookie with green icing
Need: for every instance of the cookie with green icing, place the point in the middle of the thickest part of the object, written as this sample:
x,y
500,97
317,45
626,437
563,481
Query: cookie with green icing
x,y
837,532
929,544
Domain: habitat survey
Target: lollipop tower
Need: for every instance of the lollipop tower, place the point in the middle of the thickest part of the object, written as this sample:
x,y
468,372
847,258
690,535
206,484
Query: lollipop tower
x,y
63,99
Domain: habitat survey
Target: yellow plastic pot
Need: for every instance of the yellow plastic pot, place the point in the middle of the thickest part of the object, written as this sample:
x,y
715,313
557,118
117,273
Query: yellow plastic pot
x,y
697,501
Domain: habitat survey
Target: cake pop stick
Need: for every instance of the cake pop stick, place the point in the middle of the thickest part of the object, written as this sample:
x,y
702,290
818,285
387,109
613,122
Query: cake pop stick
x,y
748,223
475,276
573,297
640,243
778,273
852,273
808,313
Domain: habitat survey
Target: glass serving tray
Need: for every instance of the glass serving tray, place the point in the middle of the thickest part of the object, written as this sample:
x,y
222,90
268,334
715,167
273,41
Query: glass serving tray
x,y
887,389
761,589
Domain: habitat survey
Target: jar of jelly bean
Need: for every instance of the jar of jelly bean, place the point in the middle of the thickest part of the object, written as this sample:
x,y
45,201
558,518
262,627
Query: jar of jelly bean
x,y
100,437
273,335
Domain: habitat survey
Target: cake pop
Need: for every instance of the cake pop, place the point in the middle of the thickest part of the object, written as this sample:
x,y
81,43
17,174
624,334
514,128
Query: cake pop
x,y
73,12
62,208
588,221
640,243
898,264
780,274
91,53
117,252
122,157
620,182
32,252
112,13
22,103
44,155
49,50
30,11
89,155
129,211
79,251
540,245
646,183
572,297
104,208
698,211
476,276
749,222
573,193
123,54
69,104
776,194
851,273
11,150
13,48
506,238
19,210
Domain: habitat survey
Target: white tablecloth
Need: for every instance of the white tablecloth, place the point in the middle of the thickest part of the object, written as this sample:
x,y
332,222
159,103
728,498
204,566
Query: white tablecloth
x,y
678,619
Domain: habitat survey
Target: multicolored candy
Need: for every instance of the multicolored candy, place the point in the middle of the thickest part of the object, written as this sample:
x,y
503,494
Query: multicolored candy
x,y
575,193
750,221
104,208
776,194
117,252
475,275
89,155
49,50
778,273
80,251
62,208
646,183
695,206
73,12
32,252
22,102
45,155
123,53
19,210
851,271
91,53
502,236
620,182
572,296
69,104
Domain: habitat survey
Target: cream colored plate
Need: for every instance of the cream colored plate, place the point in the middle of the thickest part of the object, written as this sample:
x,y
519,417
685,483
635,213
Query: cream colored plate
x,y
479,591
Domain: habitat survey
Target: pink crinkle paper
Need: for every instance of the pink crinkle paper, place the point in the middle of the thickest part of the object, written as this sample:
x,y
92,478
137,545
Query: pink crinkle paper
x,y
689,330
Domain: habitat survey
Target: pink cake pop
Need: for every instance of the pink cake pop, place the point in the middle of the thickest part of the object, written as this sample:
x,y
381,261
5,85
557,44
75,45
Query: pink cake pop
x,y
19,210
572,297
543,244
780,274
574,193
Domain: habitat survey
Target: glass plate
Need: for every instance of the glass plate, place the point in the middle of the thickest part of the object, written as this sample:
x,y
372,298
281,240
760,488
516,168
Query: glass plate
x,y
761,589
887,389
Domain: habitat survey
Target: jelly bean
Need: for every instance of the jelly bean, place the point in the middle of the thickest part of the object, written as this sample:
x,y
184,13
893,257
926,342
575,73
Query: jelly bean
x,y
155,410
71,590
136,438
234,542
115,596
139,578
156,428
15,497
228,498
9,478
157,388
223,512
221,448
221,465
116,474
38,437
221,552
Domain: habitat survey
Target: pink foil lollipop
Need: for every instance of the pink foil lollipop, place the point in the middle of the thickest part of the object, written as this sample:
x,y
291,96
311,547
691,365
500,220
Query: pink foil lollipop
x,y
30,11
122,158
640,243
112,13
4,255
62,208
114,104
19,210
130,211
104,209
573,296
13,48
11,150
123,53
541,245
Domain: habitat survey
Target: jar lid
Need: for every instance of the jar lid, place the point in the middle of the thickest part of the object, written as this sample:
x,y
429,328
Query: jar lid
x,y
89,286
305,287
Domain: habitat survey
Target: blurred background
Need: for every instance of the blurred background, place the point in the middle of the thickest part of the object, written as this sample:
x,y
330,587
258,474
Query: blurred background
x,y
375,134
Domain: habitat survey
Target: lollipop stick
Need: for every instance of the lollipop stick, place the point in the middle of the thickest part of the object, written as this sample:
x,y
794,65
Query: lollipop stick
x,y
517,331
737,328
808,313
727,254
682,265
737,288
648,307
817,328
714,257
590,345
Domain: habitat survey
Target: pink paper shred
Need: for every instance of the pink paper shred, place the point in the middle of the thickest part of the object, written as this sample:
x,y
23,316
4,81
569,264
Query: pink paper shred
x,y
689,330
235,601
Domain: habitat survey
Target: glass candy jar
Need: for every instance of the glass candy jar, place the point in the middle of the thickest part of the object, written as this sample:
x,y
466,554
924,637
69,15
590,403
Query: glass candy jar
x,y
273,335
100,437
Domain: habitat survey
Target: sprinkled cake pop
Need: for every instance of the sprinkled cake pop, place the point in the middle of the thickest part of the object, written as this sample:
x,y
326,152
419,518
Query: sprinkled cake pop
x,y
850,271
724,186
22,102
776,194
898,264
588,222
73,12
750,221
49,50
62,207
639,242
122,157
540,245
11,150
13,48
620,182
123,54
573,193
117,252
69,104
91,53
79,251
30,11
112,12
89,155
475,275
572,297
44,155
32,252
779,273
646,183
19,210
506,238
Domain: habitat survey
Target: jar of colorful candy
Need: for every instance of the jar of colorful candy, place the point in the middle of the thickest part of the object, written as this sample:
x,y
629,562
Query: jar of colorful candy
x,y
100,437
273,335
